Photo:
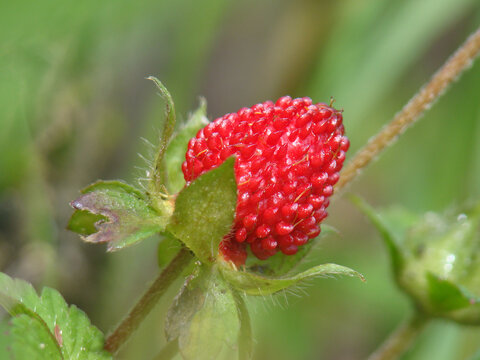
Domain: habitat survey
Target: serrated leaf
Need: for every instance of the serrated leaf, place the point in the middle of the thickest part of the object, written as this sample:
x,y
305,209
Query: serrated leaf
x,y
205,319
204,211
279,264
120,215
175,154
32,340
254,284
159,176
75,336
5,339
446,296
397,254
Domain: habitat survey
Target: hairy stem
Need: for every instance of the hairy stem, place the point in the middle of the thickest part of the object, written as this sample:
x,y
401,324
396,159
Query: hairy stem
x,y
400,340
128,326
414,109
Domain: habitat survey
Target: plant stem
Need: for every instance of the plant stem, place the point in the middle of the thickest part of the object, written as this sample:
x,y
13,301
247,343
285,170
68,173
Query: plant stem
x,y
399,341
414,109
128,326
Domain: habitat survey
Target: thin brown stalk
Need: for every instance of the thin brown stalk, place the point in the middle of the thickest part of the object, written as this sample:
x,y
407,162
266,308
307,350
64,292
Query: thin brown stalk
x,y
414,109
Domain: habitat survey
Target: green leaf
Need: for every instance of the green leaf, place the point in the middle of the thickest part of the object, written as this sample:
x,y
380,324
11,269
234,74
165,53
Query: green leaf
x,y
158,177
446,296
50,315
175,154
254,284
115,213
31,339
214,329
5,339
205,319
397,254
83,222
204,211
279,264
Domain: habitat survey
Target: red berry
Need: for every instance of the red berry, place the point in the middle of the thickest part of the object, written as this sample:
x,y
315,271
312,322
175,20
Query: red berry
x,y
288,157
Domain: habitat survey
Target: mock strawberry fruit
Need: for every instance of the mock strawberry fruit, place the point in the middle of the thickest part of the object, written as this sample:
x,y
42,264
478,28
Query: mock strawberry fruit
x,y
288,158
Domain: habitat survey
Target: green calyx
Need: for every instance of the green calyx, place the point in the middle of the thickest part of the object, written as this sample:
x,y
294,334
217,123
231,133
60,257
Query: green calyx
x,y
208,320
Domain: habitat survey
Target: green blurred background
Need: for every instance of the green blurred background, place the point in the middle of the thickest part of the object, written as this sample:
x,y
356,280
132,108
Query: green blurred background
x,y
75,105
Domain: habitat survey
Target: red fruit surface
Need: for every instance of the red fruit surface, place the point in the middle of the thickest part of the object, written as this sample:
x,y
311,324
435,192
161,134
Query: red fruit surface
x,y
288,157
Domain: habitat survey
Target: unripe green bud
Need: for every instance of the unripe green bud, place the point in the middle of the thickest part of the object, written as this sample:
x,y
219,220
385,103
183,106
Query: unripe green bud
x,y
436,260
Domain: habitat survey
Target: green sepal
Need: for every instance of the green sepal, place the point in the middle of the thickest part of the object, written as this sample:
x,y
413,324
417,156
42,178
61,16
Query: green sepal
x,y
158,177
204,211
446,296
177,148
391,231
279,264
255,284
204,318
115,213
65,331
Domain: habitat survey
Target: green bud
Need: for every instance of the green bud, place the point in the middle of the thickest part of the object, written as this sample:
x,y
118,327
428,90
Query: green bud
x,y
435,259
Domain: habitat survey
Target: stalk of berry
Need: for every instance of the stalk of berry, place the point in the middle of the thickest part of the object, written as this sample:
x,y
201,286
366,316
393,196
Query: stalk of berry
x,y
288,158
